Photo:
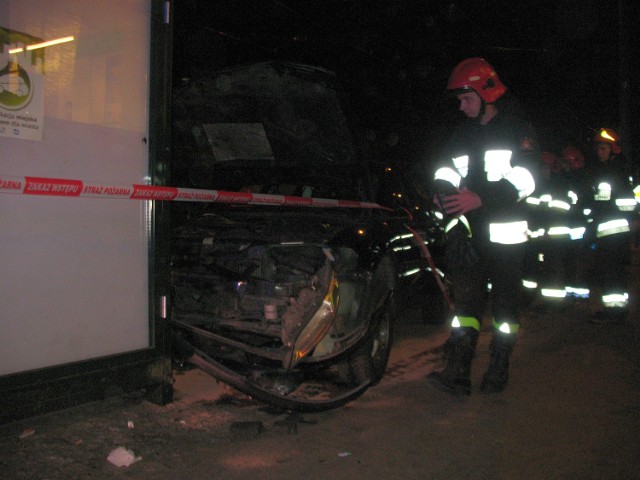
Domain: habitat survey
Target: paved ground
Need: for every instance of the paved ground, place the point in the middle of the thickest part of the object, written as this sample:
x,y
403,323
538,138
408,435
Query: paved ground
x,y
572,411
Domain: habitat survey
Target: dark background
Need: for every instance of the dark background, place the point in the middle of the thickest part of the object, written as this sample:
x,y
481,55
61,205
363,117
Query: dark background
x,y
571,62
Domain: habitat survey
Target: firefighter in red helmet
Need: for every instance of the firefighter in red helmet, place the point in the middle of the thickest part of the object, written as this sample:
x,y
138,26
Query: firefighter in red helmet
x,y
484,175
607,143
476,75
558,229
610,208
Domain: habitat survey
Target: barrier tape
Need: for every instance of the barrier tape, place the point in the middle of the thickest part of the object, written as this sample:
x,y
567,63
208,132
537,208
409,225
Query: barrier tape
x,y
63,187
432,265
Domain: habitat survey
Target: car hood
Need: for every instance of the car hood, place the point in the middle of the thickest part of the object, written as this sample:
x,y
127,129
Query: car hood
x,y
272,127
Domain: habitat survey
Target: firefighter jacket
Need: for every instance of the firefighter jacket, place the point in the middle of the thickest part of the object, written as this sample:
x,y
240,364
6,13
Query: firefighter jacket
x,y
495,161
555,207
610,202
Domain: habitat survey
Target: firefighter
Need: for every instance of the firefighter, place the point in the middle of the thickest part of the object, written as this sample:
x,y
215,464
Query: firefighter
x,y
609,208
577,190
480,188
559,228
537,206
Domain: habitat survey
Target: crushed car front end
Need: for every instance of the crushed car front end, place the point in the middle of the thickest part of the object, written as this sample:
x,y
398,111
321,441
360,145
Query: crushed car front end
x,y
291,302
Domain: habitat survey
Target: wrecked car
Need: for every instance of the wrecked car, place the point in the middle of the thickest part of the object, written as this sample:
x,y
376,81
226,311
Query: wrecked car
x,y
289,290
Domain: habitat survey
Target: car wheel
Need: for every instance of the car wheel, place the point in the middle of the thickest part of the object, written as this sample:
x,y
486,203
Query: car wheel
x,y
370,361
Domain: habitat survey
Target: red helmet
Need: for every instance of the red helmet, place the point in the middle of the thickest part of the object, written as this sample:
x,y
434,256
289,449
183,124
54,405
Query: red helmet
x,y
573,157
476,74
606,135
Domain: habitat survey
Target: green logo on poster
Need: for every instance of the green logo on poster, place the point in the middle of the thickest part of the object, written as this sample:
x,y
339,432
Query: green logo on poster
x,y
15,87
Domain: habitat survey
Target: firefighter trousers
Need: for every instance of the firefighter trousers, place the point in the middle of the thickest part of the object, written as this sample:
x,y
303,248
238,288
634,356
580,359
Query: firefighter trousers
x,y
495,279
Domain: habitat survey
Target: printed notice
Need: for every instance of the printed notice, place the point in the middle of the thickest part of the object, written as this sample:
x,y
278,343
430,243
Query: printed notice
x,y
21,87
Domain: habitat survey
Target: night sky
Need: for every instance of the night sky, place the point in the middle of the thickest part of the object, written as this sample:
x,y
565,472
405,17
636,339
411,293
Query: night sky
x,y
566,59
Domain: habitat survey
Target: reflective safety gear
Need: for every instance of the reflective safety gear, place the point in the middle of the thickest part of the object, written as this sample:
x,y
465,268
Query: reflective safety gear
x,y
459,352
557,224
466,322
522,179
606,135
611,227
609,213
497,166
627,204
475,74
617,299
493,161
553,292
506,326
603,192
460,220
509,233
448,175
496,377
462,165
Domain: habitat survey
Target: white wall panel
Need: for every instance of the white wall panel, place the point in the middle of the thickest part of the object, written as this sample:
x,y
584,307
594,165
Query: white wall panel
x,y
75,270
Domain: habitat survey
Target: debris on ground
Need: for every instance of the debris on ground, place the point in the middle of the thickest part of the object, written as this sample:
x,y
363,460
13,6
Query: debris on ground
x,y
122,457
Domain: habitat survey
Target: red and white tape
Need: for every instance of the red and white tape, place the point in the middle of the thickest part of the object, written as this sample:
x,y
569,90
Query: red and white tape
x,y
63,187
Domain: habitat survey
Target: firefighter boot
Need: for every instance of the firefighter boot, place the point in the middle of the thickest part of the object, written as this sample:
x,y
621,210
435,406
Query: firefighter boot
x,y
460,350
496,377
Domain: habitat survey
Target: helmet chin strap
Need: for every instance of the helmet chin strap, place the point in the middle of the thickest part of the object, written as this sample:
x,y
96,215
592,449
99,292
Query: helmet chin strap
x,y
483,109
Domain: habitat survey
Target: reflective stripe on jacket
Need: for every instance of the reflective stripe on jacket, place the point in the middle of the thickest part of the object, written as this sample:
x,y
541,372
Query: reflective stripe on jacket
x,y
497,167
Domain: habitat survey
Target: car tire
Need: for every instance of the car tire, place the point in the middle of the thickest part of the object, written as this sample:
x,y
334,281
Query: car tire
x,y
370,360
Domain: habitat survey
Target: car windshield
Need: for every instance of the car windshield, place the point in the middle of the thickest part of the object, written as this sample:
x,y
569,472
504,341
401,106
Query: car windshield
x,y
274,128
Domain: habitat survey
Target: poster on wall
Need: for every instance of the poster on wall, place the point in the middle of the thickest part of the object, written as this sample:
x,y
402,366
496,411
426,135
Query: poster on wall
x,y
21,85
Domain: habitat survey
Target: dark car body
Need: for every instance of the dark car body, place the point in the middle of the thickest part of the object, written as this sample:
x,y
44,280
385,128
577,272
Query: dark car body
x,y
290,295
